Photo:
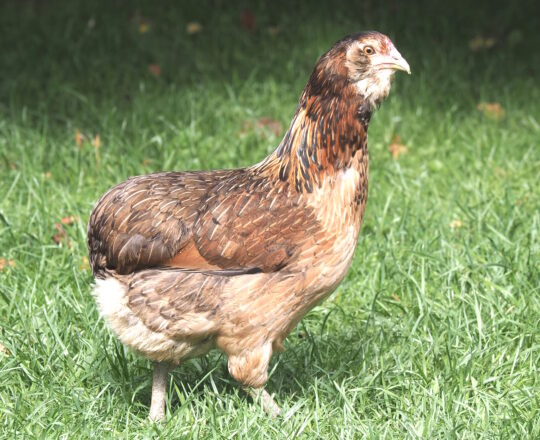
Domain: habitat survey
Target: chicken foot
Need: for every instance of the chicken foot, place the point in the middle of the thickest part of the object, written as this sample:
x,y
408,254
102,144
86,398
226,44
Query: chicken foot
x,y
267,403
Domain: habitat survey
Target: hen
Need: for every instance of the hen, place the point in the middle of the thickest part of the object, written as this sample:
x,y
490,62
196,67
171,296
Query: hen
x,y
232,259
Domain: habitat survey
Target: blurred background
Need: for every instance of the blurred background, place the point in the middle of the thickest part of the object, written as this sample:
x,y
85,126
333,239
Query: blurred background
x,y
433,332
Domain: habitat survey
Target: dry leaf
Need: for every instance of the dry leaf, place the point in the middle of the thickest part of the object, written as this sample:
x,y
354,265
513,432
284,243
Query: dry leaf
x,y
397,148
396,298
481,43
4,350
193,27
47,175
492,110
271,124
264,123
96,142
79,138
456,224
144,27
61,237
154,69
6,263
248,21
69,220
85,265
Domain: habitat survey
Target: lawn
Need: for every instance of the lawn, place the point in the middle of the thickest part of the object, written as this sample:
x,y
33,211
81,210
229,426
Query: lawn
x,y
435,331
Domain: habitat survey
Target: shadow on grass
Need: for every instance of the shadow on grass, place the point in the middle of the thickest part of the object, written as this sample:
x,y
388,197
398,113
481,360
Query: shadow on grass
x,y
309,362
100,54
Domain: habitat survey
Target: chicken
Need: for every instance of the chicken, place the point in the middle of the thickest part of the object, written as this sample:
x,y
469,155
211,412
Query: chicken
x,y
185,262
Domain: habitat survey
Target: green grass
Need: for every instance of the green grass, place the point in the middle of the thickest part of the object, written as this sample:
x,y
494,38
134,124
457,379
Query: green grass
x,y
433,334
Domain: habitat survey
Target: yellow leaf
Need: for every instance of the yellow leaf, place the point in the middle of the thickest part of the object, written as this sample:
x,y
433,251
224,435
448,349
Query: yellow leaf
x,y
6,263
96,142
491,110
481,43
4,350
79,138
456,224
143,27
193,27
85,265
396,148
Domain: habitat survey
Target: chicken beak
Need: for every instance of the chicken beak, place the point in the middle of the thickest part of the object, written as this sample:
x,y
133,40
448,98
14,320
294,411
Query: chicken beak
x,y
401,64
394,61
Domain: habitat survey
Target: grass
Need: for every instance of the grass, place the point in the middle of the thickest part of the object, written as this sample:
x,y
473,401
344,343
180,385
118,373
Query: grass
x,y
434,332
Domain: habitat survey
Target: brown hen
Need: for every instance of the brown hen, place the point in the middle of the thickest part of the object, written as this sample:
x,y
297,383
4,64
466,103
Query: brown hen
x,y
233,259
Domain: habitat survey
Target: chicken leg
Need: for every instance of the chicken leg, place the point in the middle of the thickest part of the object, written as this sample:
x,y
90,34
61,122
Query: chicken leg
x,y
159,389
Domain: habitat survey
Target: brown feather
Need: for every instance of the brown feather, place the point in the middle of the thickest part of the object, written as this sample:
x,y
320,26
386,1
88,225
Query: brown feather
x,y
234,258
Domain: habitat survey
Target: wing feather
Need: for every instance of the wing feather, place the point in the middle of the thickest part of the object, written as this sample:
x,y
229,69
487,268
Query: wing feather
x,y
222,221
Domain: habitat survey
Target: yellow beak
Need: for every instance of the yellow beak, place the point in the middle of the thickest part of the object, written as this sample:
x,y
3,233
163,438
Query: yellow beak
x,y
393,61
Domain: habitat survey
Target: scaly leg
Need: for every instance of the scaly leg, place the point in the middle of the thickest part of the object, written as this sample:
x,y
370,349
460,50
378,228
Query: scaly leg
x,y
159,389
268,404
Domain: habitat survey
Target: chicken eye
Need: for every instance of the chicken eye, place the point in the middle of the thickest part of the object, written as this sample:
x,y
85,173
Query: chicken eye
x,y
368,50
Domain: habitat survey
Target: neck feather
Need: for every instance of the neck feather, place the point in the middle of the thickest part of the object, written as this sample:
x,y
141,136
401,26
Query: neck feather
x,y
325,134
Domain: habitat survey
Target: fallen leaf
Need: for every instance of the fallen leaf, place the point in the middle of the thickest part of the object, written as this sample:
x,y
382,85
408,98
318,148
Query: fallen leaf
x,y
85,265
491,110
193,27
4,350
69,220
456,224
154,69
144,27
79,138
6,263
396,147
271,124
481,43
264,123
96,142
396,298
61,237
248,21
47,175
